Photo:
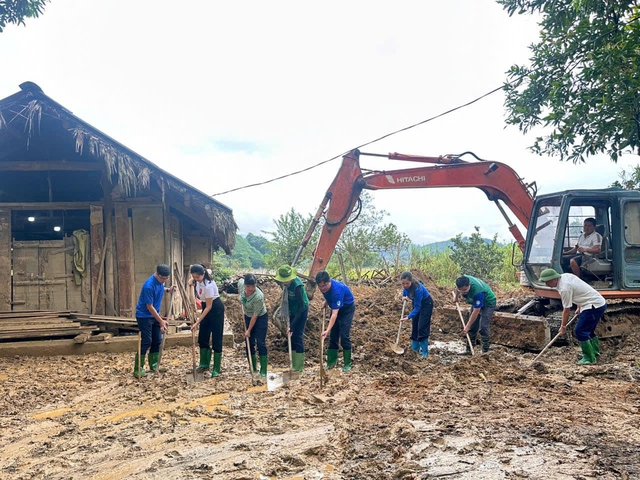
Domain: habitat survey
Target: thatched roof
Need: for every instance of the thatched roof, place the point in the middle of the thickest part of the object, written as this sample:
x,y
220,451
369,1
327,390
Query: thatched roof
x,y
26,111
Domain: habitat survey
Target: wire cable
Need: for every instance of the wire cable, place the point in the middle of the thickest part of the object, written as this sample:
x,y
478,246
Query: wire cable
x,y
404,129
364,144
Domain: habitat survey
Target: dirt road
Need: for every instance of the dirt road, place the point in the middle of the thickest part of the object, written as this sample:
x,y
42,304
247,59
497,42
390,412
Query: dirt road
x,y
449,416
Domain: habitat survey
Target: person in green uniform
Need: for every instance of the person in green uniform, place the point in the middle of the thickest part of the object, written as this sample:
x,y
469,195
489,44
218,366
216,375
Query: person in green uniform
x,y
298,312
256,320
483,301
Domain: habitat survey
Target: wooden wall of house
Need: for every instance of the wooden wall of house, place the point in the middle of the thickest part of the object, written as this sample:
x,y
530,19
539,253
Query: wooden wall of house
x,y
197,249
135,236
5,259
148,243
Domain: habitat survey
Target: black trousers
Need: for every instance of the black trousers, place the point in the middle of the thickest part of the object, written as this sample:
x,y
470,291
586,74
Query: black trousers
x,y
212,326
151,335
421,323
258,334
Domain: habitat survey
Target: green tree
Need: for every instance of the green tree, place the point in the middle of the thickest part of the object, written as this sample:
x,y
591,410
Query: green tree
x,y
393,248
259,243
583,82
286,239
477,257
15,11
360,238
629,179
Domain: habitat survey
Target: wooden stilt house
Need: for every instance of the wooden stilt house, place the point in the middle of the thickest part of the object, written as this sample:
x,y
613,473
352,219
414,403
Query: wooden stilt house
x,y
84,220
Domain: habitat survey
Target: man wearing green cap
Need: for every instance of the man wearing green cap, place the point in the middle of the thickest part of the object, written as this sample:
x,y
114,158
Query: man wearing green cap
x,y
298,312
591,307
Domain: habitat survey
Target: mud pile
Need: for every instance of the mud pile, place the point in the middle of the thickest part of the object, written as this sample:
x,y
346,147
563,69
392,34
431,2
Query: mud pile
x,y
375,322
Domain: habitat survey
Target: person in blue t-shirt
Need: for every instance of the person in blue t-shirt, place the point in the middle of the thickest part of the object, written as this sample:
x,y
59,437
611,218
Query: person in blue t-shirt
x,y
420,315
150,323
340,299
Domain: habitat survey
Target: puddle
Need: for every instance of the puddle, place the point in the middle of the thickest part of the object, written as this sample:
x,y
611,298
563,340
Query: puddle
x,y
274,380
455,346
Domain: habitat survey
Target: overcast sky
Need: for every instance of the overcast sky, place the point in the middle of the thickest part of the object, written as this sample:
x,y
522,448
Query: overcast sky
x,y
223,94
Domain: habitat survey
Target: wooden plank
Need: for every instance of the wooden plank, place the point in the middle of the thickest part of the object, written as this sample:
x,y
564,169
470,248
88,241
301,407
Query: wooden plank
x,y
44,334
62,165
101,337
33,313
98,251
53,326
5,259
82,338
124,252
48,205
105,317
35,321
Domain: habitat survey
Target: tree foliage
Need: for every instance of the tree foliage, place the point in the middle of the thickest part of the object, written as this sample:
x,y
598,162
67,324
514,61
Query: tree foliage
x,y
287,237
360,239
259,243
15,11
476,257
393,248
583,82
629,179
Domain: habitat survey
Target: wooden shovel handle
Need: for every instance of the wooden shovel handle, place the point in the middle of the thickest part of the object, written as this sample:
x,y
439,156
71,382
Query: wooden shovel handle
x,y
463,326
404,304
552,341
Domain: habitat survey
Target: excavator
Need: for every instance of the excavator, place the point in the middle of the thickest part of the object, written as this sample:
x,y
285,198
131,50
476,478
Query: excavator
x,y
553,223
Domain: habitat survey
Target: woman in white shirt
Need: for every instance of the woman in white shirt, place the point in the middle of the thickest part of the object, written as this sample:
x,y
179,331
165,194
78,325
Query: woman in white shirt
x,y
210,321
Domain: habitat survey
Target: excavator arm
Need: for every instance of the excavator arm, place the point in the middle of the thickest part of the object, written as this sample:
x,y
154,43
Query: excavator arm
x,y
497,180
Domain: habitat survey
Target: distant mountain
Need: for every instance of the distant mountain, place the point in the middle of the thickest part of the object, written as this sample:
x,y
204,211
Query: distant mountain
x,y
437,247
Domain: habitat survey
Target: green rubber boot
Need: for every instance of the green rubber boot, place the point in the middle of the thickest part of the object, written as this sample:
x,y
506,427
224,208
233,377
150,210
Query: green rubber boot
x,y
217,359
595,343
332,358
298,361
153,363
254,362
140,373
264,362
347,360
588,354
205,360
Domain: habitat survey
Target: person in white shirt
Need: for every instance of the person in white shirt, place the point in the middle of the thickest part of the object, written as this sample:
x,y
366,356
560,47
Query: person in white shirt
x,y
591,307
210,321
589,241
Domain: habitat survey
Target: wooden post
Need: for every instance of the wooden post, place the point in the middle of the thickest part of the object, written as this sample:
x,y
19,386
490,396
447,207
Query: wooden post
x,y
97,259
166,220
109,267
5,259
124,252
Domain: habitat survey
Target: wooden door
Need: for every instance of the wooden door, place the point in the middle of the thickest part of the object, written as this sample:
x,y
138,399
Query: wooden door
x,y
43,277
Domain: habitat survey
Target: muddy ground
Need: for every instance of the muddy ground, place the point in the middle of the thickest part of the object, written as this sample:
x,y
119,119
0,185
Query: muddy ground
x,y
449,416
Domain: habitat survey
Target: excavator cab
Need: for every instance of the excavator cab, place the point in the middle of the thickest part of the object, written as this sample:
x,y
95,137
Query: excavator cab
x,y
557,222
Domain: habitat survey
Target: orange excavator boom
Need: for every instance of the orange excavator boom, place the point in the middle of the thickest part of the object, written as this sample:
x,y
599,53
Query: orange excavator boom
x,y
497,180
